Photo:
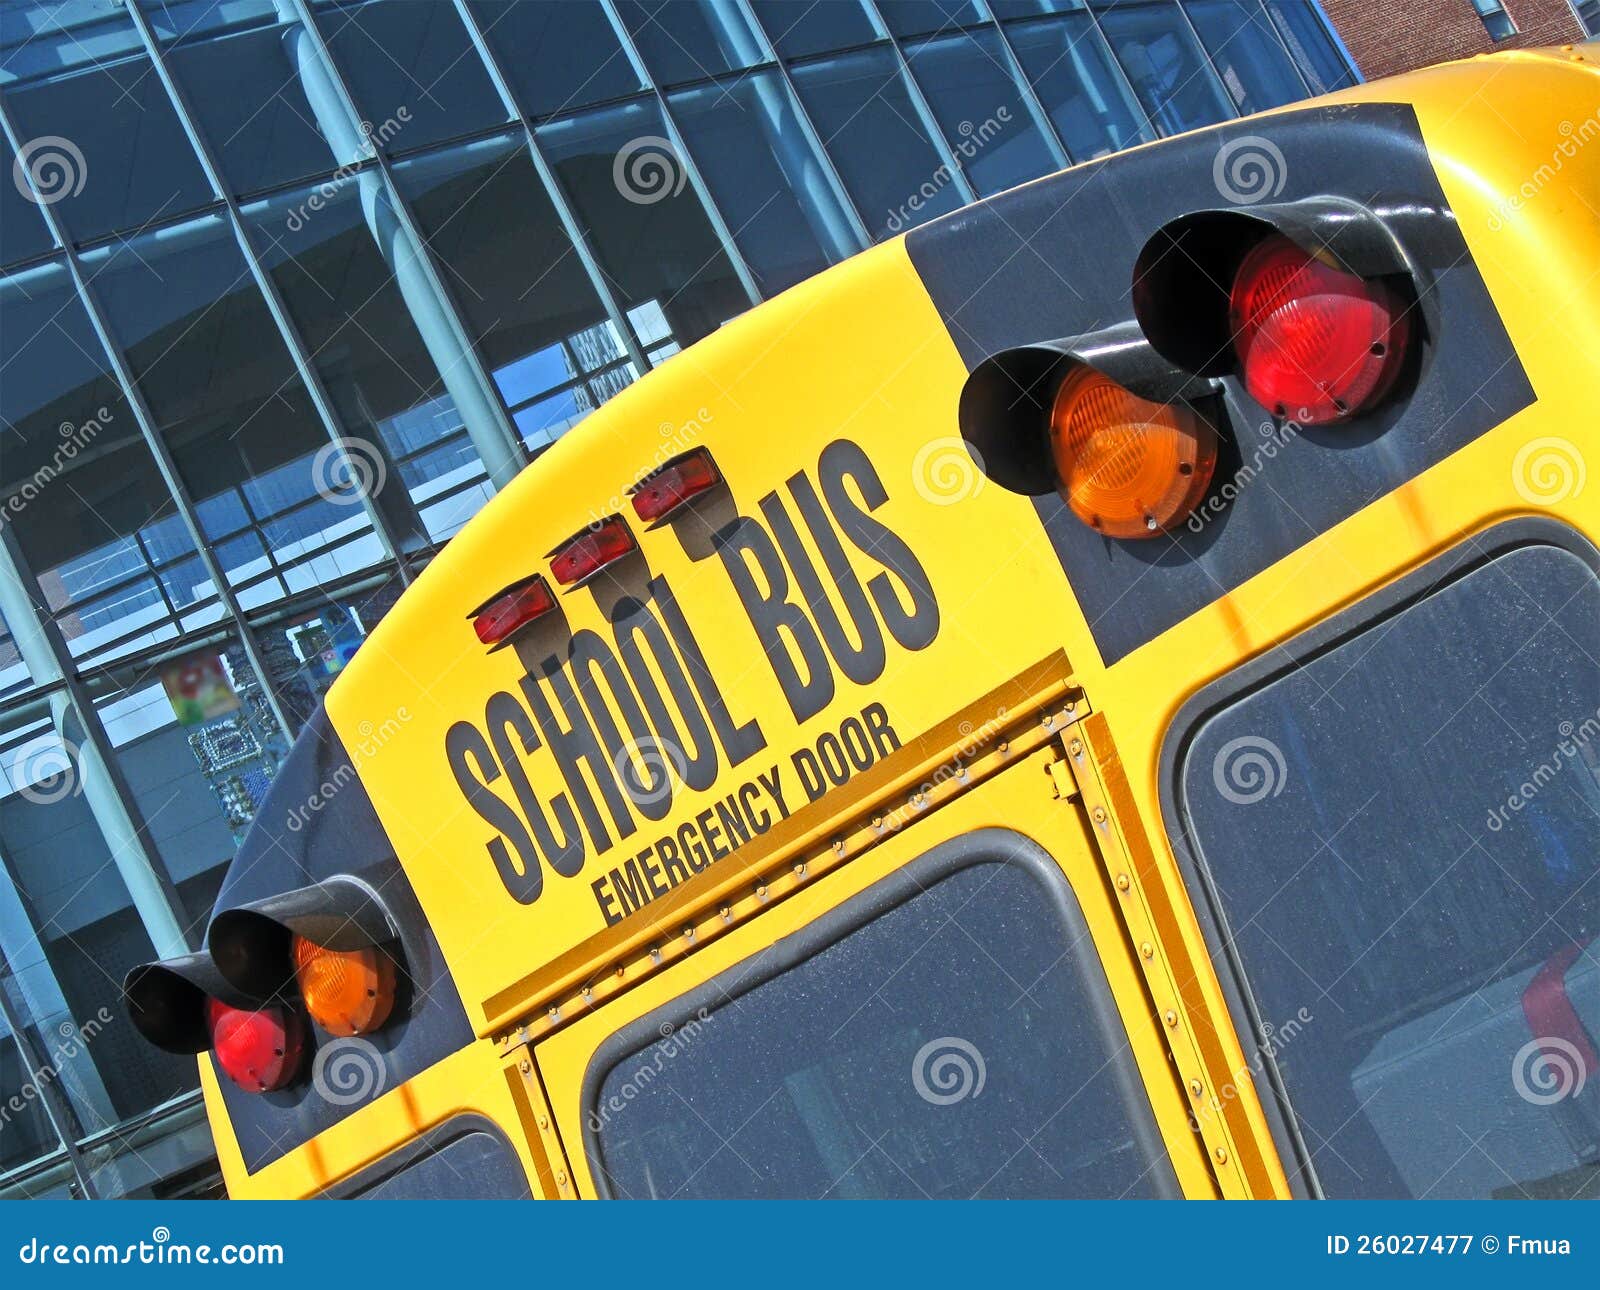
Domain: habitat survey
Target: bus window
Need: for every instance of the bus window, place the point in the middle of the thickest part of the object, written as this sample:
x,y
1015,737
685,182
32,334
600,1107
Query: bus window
x,y
960,1042
1403,836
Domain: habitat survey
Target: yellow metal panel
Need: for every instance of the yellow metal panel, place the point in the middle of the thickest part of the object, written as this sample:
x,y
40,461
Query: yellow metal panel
x,y
1019,799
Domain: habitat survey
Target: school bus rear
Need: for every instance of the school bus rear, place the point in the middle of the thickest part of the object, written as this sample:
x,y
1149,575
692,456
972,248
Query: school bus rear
x,y
870,824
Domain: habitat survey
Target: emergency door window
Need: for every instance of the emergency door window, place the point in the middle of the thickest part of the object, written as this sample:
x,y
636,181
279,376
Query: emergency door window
x,y
948,1033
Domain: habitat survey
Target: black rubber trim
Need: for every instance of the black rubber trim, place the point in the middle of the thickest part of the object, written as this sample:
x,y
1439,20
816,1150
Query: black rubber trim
x,y
1259,672
982,846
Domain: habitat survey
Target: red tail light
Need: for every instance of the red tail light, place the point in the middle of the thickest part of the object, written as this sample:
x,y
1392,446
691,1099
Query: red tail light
x,y
674,484
259,1051
590,552
513,609
1315,344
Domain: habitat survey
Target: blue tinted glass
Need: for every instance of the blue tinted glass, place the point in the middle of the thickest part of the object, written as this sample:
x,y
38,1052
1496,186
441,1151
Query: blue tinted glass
x,y
97,127
1031,8
868,124
227,400
801,27
23,234
535,44
977,105
243,85
1253,64
1451,882
788,1082
1167,69
364,334
689,40
1071,71
920,17
1306,34
502,251
412,65
644,219
83,495
762,172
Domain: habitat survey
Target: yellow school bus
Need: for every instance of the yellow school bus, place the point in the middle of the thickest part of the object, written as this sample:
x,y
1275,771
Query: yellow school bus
x,y
1095,697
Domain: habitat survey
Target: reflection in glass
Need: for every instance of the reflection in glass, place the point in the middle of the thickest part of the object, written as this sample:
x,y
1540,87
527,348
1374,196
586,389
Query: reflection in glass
x,y
364,341
868,124
241,74
70,933
534,43
1254,66
690,41
749,145
79,77
980,110
801,27
227,400
80,489
411,64
1072,72
1305,31
643,218
503,254
1168,71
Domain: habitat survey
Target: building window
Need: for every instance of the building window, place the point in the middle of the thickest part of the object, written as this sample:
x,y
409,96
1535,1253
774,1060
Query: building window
x,y
1588,12
1496,21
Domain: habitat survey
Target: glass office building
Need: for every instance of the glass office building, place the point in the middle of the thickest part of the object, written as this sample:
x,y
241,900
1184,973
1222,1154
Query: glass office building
x,y
288,289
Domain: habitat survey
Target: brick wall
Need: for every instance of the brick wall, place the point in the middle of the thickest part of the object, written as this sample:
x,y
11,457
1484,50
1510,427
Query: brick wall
x,y
1385,37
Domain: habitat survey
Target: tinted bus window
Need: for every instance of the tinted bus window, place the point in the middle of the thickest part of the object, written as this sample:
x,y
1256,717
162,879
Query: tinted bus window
x,y
960,1044
1404,836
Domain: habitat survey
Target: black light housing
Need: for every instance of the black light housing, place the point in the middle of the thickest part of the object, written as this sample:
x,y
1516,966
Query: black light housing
x,y
167,1001
250,943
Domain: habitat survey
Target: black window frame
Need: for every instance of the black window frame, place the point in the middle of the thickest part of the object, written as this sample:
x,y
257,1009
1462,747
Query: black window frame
x,y
910,880
1388,602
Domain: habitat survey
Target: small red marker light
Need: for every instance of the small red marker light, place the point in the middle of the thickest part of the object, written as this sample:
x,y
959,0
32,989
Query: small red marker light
x,y
589,552
514,608
674,484
259,1051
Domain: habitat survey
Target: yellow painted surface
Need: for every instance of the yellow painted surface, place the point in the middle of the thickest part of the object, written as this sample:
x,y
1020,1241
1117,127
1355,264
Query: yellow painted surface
x,y
859,355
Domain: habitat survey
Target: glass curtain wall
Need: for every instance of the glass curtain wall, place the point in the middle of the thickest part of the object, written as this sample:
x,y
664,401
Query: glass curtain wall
x,y
289,288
